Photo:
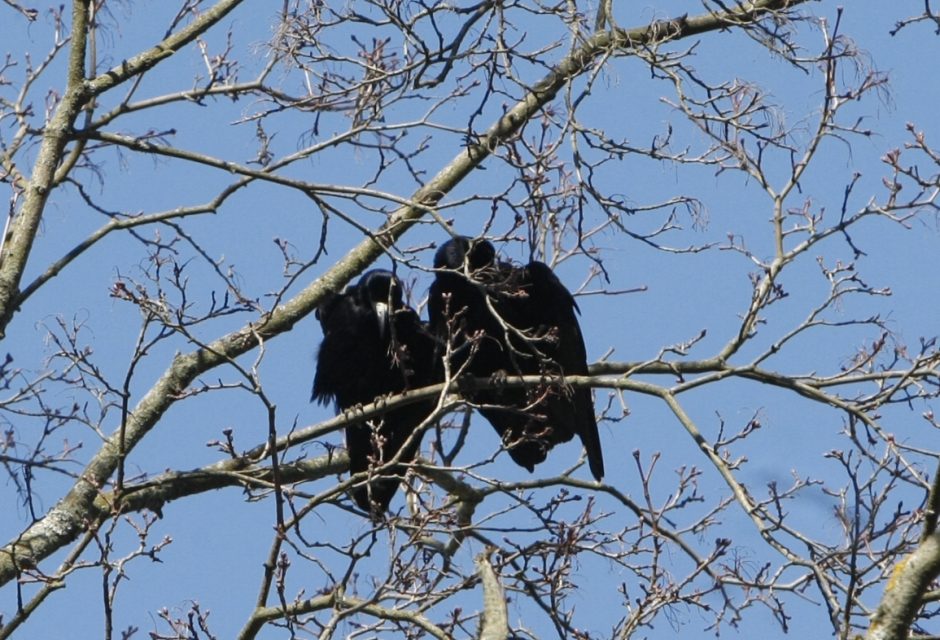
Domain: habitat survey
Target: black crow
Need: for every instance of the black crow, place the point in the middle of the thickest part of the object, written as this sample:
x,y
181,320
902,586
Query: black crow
x,y
374,345
503,320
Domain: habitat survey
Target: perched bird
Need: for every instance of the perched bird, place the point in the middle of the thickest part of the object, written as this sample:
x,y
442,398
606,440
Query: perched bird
x,y
502,319
373,346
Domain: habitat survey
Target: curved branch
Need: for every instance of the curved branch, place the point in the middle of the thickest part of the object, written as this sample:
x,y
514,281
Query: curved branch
x,y
150,58
336,600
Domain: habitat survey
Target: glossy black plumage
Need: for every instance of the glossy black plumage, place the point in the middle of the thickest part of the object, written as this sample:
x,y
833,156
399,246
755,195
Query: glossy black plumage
x,y
527,300
374,345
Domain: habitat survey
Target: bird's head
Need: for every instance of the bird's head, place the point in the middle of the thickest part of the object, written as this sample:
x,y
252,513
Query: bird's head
x,y
478,253
382,292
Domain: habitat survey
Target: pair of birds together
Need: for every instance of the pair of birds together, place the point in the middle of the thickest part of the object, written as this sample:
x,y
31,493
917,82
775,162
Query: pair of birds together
x,y
487,318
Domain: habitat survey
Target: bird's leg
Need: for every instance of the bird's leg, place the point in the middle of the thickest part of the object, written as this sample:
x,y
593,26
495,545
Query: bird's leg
x,y
498,379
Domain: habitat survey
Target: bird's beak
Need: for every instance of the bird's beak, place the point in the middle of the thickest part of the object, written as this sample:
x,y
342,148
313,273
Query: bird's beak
x,y
381,312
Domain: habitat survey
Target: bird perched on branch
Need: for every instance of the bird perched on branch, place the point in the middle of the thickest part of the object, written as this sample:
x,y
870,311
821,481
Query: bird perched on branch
x,y
374,346
502,320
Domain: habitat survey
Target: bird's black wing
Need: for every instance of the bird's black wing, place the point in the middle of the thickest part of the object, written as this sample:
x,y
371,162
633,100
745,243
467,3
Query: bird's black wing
x,y
519,321
548,310
459,315
350,340
363,357
411,352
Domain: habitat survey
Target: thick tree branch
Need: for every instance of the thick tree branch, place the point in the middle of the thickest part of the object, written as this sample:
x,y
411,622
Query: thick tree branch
x,y
910,580
495,618
18,241
903,595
